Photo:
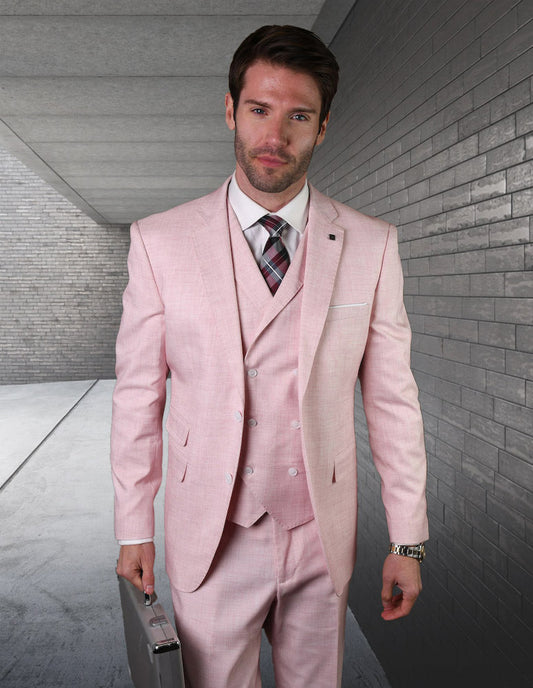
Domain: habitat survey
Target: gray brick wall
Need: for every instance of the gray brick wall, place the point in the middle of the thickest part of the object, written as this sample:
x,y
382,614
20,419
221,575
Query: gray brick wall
x,y
433,131
61,279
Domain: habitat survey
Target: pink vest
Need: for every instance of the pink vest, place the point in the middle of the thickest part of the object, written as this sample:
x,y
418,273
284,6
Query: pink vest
x,y
271,470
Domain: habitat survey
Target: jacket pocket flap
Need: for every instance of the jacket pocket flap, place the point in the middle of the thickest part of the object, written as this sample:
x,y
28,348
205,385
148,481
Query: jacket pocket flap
x,y
179,467
178,429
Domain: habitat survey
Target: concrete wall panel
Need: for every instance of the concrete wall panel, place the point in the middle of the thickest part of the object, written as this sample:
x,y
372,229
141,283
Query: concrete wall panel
x,y
277,8
140,95
142,152
134,46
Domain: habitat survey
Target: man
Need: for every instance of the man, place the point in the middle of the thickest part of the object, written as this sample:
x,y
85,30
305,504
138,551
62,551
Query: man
x,y
265,326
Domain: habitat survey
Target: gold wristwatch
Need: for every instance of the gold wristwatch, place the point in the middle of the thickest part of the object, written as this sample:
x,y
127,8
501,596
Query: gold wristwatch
x,y
417,552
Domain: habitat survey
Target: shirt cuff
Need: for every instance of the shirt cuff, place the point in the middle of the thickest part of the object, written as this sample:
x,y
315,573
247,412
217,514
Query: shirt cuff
x,y
135,542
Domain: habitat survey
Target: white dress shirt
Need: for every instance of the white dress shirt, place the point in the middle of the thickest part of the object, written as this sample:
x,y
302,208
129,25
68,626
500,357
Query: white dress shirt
x,y
248,212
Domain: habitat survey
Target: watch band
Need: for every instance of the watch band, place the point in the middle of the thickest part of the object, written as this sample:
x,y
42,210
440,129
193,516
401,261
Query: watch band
x,y
417,552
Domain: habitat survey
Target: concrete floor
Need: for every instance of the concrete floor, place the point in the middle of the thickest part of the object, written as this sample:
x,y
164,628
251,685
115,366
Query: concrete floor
x,y
61,622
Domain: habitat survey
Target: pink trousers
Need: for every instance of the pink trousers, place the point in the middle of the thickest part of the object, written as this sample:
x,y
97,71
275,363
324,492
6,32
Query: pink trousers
x,y
271,578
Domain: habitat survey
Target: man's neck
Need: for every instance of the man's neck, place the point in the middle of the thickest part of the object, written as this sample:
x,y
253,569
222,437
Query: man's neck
x,y
270,201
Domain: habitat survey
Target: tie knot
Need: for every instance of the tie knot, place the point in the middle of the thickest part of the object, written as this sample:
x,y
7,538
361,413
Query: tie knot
x,y
273,224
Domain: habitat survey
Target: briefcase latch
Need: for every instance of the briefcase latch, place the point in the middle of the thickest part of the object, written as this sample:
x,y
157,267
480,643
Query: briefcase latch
x,y
158,621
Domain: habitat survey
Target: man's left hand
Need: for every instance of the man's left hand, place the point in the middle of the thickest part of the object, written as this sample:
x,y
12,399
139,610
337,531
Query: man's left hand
x,y
404,573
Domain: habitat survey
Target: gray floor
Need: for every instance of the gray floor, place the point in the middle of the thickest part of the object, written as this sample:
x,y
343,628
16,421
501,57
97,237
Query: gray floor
x,y
60,615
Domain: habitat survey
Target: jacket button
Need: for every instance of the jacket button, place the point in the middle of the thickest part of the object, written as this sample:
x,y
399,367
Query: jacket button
x,y
228,477
295,424
293,471
238,416
252,372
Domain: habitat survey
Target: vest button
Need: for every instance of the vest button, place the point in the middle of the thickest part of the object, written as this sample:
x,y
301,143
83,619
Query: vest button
x,y
252,372
252,422
248,470
238,416
293,471
295,424
228,477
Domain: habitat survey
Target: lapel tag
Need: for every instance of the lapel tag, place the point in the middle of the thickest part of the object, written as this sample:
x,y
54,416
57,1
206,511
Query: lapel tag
x,y
332,237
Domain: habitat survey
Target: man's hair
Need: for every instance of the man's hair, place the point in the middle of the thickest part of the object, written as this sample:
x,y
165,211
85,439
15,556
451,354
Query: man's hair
x,y
287,46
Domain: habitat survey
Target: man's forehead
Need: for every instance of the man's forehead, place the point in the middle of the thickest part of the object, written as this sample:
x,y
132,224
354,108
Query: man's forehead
x,y
265,66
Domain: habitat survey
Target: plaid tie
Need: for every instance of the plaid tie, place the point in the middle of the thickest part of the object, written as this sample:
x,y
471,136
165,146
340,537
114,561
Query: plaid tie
x,y
275,259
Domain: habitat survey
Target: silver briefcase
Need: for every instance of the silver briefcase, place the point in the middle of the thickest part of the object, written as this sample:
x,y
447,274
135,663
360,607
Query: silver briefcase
x,y
154,650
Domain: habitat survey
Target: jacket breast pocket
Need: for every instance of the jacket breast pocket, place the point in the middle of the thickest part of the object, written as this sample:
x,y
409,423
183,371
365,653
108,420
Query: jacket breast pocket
x,y
342,311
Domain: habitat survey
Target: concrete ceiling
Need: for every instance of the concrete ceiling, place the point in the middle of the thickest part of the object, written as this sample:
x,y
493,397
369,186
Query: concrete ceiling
x,y
119,104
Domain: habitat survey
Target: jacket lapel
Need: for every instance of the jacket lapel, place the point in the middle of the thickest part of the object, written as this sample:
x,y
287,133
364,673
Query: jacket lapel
x,y
324,247
212,243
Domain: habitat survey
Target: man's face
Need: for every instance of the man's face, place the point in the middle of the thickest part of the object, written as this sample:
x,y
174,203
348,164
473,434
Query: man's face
x,y
276,127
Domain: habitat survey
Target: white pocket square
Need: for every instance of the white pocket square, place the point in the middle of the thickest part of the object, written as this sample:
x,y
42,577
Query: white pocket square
x,y
349,305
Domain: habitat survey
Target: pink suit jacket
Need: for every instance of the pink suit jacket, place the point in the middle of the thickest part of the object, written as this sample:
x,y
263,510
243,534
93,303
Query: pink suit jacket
x,y
181,314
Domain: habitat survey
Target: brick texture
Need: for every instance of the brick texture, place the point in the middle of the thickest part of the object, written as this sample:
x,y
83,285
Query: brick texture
x,y
432,131
61,279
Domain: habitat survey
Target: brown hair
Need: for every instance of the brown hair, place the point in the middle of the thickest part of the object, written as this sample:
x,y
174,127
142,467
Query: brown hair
x,y
288,46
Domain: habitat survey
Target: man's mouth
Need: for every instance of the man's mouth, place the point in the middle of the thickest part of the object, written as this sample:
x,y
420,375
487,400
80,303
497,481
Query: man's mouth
x,y
270,161
270,158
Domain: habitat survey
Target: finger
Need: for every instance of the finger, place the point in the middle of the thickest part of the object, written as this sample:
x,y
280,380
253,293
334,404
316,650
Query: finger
x,y
148,575
402,605
390,609
386,594
406,605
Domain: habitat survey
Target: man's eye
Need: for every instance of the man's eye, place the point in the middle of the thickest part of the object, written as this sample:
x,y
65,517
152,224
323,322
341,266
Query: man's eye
x,y
299,117
258,111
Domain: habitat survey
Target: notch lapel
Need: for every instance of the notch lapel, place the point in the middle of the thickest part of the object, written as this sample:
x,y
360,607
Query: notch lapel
x,y
212,244
324,248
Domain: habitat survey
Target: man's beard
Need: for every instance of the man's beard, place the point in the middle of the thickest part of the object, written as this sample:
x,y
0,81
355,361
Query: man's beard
x,y
271,180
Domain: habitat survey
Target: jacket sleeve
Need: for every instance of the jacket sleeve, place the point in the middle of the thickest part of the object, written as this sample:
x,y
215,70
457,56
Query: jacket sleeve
x,y
139,398
390,399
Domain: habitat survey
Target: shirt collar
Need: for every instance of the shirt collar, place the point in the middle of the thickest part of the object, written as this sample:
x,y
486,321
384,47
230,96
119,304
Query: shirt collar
x,y
248,211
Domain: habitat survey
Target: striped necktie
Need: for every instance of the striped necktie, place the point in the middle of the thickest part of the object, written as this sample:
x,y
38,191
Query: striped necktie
x,y
275,260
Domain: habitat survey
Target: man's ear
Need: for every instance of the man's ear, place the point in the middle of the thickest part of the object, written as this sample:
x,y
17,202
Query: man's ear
x,y
230,113
322,131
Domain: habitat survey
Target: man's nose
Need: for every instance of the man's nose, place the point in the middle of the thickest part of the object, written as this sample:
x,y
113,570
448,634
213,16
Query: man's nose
x,y
277,132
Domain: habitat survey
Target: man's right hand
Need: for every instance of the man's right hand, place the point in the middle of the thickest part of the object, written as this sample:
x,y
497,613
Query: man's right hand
x,y
136,564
